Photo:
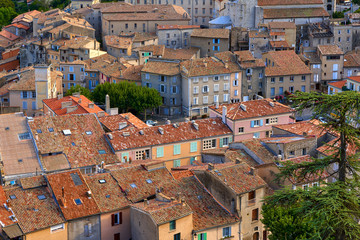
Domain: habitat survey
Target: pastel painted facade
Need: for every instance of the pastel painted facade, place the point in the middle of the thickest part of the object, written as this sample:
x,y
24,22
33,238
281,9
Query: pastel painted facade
x,y
77,4
259,126
73,74
217,232
110,228
57,232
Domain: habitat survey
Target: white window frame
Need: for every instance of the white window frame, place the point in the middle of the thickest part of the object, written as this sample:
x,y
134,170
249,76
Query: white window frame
x,y
57,228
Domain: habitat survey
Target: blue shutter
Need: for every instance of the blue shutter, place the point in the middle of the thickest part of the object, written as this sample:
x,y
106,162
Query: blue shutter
x,y
24,105
252,124
213,48
97,82
218,40
159,78
214,41
21,95
90,84
193,147
230,139
221,142
177,163
261,122
68,85
69,76
33,105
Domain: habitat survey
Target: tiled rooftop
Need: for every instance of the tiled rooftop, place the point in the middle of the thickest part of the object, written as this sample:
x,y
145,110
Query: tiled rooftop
x,y
204,67
77,43
259,150
295,13
107,192
79,137
279,44
112,122
183,131
355,78
230,59
4,213
286,25
18,156
8,35
254,109
170,53
330,49
25,83
163,212
84,105
70,190
211,33
139,183
339,84
118,42
207,212
170,27
286,139
34,208
285,63
288,2
299,128
352,60
162,68
32,182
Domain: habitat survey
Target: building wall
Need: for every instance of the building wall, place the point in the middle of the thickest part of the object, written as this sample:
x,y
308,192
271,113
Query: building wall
x,y
235,89
142,226
116,27
108,231
175,38
47,234
16,100
242,13
184,226
252,84
310,144
248,131
208,47
202,11
76,228
82,4
258,46
217,232
78,73
201,107
168,108
328,68
118,52
343,37
298,84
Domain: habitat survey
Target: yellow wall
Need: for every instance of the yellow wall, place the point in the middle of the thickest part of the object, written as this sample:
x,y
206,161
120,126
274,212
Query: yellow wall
x,y
216,233
184,226
46,234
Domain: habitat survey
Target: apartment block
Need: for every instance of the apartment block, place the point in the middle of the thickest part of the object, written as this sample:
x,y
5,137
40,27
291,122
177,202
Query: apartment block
x,y
73,74
210,41
332,63
175,36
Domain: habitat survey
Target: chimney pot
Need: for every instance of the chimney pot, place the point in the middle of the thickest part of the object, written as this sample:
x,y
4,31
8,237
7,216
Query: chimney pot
x,y
210,166
224,113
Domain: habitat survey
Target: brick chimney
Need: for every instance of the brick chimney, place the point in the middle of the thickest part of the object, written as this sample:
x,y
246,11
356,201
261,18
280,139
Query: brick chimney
x,y
210,166
224,113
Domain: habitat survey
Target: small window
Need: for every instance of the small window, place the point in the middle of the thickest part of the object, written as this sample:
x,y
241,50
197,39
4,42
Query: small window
x,y
107,196
133,185
38,131
12,197
172,225
88,133
241,129
78,201
51,129
148,181
41,197
24,136
101,181
102,151
72,143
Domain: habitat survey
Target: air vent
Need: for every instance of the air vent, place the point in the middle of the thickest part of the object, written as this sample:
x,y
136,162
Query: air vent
x,y
161,131
243,107
126,134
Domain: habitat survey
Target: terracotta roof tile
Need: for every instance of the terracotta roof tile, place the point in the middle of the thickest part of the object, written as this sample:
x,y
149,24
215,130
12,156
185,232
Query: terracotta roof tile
x,y
285,63
203,67
279,44
230,59
5,88
169,27
274,13
139,183
286,25
118,42
162,67
355,78
308,127
25,83
286,139
329,49
339,84
202,203
84,146
83,105
132,73
259,150
288,2
254,109
76,43
32,182
107,192
33,213
351,60
18,25
4,213
112,122
184,131
162,212
69,187
258,34
211,33
328,149
8,35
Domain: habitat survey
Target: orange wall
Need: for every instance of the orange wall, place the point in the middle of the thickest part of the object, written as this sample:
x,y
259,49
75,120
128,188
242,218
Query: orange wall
x,y
108,231
46,234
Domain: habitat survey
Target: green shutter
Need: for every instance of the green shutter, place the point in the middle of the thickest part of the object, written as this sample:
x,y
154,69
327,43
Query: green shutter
x,y
221,142
205,236
177,149
160,152
199,236
230,139
177,163
193,147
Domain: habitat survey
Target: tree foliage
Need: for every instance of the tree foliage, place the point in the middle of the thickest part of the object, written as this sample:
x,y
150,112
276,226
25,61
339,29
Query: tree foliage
x,y
126,96
6,15
59,3
338,15
77,88
332,210
40,5
7,4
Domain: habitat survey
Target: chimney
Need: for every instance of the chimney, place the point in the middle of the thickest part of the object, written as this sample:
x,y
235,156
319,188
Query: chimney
x,y
146,202
91,105
279,157
65,104
210,166
70,109
252,171
36,136
226,65
59,96
187,120
76,94
107,104
79,100
110,136
237,161
217,105
63,201
224,113
168,122
183,201
89,194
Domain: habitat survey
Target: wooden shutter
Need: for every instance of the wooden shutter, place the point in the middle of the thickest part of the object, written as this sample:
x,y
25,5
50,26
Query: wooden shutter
x,y
112,219
120,217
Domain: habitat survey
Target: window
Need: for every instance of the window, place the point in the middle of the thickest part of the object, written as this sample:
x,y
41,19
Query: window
x,y
205,99
305,187
216,40
226,86
256,135
133,185
216,78
57,227
71,77
177,236
160,152
38,131
281,90
177,149
24,94
172,225
24,136
102,152
235,83
177,163
205,89
272,80
24,106
236,92
303,88
33,93
225,141
291,89
291,153
272,91
216,48
291,78
193,147
41,197
255,214
241,129
216,87
149,181
126,26
195,101
116,219
195,80
78,201
71,69
87,230
256,123
281,79
208,144
196,90
304,151
226,97
162,88
216,98
142,154
202,236
227,232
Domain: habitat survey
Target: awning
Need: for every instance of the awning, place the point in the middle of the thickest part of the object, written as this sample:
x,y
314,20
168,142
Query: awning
x,y
13,231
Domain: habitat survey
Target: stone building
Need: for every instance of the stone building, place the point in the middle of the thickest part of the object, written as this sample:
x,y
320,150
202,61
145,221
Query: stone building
x,y
210,41
175,36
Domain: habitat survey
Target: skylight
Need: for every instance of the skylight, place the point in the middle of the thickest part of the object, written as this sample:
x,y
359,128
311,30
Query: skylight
x,y
102,151
67,132
102,181
148,181
78,201
38,131
41,197
51,129
133,185
72,143
88,132
24,136
76,179
107,196
12,197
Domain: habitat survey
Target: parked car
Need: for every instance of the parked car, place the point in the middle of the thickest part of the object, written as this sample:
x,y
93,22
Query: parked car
x,y
151,123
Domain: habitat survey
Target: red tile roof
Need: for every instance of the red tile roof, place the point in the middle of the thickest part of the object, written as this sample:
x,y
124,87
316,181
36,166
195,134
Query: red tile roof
x,y
329,49
328,148
68,187
82,103
286,139
259,150
340,84
83,147
288,2
139,183
286,25
352,60
8,35
169,27
285,63
162,212
162,67
107,192
184,131
203,67
33,213
207,211
33,182
279,44
4,213
211,33
278,13
355,78
18,25
308,127
112,122
254,109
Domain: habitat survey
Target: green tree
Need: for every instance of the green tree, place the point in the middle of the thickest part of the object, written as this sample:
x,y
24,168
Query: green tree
x,y
40,5
332,210
59,3
338,15
6,15
7,4
77,88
